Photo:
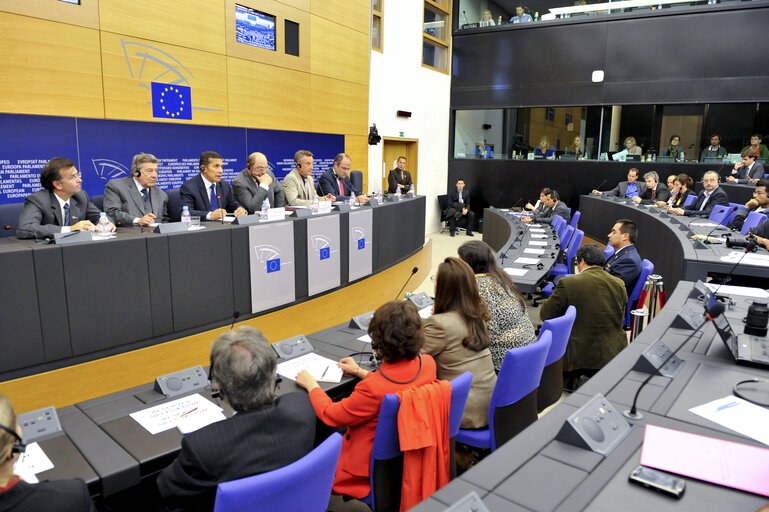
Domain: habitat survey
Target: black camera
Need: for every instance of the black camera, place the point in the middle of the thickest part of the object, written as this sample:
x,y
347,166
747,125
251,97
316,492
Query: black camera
x,y
749,243
758,317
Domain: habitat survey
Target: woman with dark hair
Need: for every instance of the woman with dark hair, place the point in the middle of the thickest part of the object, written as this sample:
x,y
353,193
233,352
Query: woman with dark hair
x,y
510,326
456,335
682,188
396,337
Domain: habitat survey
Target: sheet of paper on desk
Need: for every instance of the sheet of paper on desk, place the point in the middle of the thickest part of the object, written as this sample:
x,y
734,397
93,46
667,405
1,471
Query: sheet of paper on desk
x,y
535,226
518,272
537,242
365,338
739,415
193,422
32,461
747,259
534,251
735,465
705,224
321,368
537,230
170,414
744,291
535,235
426,311
527,261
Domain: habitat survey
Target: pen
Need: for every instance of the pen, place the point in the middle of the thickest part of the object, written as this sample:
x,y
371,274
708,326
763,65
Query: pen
x,y
324,372
726,406
188,412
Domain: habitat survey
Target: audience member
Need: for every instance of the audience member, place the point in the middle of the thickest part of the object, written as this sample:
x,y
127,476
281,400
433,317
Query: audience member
x,y
715,150
459,206
669,182
759,203
136,200
267,433
256,183
575,147
544,149
206,194
625,263
682,188
396,337
655,191
755,144
486,19
399,178
673,149
541,208
747,171
510,326
600,298
298,185
336,182
630,188
556,207
711,196
631,147
520,15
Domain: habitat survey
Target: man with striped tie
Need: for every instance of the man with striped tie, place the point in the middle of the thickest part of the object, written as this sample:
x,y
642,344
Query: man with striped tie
x,y
206,194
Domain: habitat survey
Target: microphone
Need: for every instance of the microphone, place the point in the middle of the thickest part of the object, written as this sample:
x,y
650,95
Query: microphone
x,y
235,315
598,188
219,200
706,239
516,203
413,271
465,15
46,239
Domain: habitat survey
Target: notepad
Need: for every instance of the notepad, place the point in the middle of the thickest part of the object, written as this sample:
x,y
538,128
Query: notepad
x,y
321,368
194,410
31,462
516,271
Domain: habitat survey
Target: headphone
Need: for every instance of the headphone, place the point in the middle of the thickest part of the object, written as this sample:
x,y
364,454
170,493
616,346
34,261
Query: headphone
x,y
137,172
18,446
298,165
215,393
540,265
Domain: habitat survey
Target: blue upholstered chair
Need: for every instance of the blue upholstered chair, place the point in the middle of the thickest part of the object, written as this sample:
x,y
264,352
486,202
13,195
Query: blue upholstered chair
x,y
753,219
720,214
356,178
559,224
575,219
565,269
9,216
551,384
608,252
98,202
690,199
174,204
647,267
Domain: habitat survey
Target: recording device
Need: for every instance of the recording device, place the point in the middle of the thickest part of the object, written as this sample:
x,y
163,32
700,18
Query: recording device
x,y
757,319
290,348
750,244
373,135
660,482
596,426
18,446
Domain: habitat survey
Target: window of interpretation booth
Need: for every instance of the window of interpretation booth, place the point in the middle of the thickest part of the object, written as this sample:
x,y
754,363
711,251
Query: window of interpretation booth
x,y
377,15
436,34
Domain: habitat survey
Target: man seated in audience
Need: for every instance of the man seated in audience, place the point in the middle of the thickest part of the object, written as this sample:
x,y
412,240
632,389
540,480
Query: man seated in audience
x,y
60,206
625,263
267,433
399,178
630,188
541,207
459,206
655,191
298,185
600,299
336,182
520,15
671,181
256,183
715,150
556,207
206,194
747,171
759,203
135,200
711,196
674,149
755,144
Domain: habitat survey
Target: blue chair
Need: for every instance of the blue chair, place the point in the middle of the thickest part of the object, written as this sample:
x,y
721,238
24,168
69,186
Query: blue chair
x,y
753,219
575,219
98,202
551,384
608,252
513,405
460,389
565,269
9,216
356,178
690,199
647,267
735,207
302,485
558,223
174,204
720,214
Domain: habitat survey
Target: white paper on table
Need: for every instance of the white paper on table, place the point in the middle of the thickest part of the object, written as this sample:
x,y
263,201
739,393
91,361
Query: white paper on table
x,y
365,338
526,261
705,224
516,271
325,207
227,218
533,251
535,242
168,415
276,213
535,235
537,230
426,311
747,259
31,462
743,291
321,368
535,226
153,224
193,422
504,209
739,415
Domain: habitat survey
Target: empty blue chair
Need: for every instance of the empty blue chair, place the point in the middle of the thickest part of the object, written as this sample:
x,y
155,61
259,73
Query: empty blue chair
x,y
460,389
575,219
98,202
608,252
9,216
720,214
302,485
647,267
174,204
690,199
513,405
565,269
551,384
558,223
356,178
753,219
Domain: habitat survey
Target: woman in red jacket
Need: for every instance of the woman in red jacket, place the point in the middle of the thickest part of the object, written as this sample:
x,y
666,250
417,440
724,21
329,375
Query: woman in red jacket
x,y
396,337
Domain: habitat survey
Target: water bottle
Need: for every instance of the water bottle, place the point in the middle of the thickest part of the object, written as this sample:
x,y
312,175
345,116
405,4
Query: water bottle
x,y
351,201
682,157
265,207
315,205
398,193
103,228
379,196
186,214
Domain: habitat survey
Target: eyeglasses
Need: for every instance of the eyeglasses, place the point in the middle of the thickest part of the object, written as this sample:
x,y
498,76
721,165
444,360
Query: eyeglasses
x,y
260,169
759,192
73,177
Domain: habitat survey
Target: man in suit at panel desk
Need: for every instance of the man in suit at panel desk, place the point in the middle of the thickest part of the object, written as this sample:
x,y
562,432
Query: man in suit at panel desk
x,y
655,191
747,171
267,433
136,200
61,206
336,182
206,194
625,263
630,188
711,196
399,178
256,183
298,185
459,206
555,207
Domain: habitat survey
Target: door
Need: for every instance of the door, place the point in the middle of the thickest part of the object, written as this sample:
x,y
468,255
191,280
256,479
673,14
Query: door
x,y
392,148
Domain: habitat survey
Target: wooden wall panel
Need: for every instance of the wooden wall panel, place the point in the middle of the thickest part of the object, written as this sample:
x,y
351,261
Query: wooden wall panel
x,y
195,24
357,147
338,106
355,15
264,96
85,15
48,75
339,52
128,74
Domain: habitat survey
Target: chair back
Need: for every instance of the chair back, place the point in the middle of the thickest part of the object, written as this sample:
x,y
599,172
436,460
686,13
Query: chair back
x,y
647,267
443,203
551,385
98,202
386,466
460,389
174,204
752,220
9,216
356,178
690,199
513,405
608,252
720,214
575,219
735,207
318,191
571,252
565,238
302,485
558,224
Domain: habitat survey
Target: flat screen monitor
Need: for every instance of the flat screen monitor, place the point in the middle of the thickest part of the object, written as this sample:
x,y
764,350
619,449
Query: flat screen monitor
x,y
254,28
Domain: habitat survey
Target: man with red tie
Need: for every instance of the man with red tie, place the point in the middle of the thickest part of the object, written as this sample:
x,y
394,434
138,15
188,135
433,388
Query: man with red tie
x,y
206,194
655,191
336,181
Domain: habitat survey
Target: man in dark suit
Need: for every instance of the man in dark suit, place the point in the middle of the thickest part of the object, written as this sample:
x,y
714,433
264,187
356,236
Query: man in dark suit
x,y
655,191
136,200
554,207
747,171
61,206
256,183
206,194
336,181
600,298
711,196
630,188
625,263
399,178
267,433
459,206
759,203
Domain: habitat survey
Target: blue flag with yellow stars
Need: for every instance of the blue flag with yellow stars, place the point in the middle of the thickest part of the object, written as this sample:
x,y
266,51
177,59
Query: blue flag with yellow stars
x,y
171,101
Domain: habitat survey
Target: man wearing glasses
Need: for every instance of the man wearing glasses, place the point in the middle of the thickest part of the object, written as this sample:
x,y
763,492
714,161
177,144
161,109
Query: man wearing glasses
x,y
256,183
335,181
61,206
759,203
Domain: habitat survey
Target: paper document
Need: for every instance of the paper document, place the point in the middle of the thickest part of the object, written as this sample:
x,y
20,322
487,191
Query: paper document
x,y
744,291
705,224
527,261
192,410
746,259
321,368
518,272
32,461
537,230
365,338
533,251
537,242
426,311
535,235
739,415
534,226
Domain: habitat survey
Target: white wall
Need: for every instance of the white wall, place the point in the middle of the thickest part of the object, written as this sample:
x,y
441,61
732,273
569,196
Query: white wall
x,y
399,82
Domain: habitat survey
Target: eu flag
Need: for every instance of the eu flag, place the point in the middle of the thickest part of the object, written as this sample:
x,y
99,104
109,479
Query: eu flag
x,y
273,265
361,244
325,253
171,101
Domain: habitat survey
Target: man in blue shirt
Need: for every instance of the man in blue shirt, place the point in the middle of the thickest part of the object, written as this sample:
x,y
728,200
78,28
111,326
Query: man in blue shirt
x,y
520,16
630,188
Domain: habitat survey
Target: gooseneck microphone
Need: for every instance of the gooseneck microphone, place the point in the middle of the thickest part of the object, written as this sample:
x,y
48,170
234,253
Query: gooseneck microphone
x,y
219,202
235,315
598,188
707,237
413,271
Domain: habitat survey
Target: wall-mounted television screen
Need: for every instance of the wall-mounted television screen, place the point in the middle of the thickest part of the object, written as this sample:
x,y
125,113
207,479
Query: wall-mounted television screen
x,y
254,28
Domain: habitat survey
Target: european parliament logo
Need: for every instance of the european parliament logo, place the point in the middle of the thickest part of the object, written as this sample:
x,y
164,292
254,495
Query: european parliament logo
x,y
171,101
361,244
325,253
273,265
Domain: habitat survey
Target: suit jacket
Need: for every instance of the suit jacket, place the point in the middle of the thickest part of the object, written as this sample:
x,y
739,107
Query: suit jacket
x,y
444,333
124,203
394,179
679,201
756,173
246,444
625,264
194,195
251,195
454,197
51,496
718,197
597,334
329,184
41,216
621,189
707,152
360,412
293,187
559,209
661,194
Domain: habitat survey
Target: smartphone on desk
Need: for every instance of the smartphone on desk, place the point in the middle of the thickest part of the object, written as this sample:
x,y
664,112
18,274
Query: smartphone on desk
x,y
658,481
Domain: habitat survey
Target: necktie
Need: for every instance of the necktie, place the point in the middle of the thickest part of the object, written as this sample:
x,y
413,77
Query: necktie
x,y
66,214
704,202
145,194
306,190
341,187
214,201
654,193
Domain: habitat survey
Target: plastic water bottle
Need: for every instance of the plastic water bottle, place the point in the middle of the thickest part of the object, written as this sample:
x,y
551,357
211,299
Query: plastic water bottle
x,y
682,157
351,201
186,214
265,207
398,193
315,205
103,228
412,191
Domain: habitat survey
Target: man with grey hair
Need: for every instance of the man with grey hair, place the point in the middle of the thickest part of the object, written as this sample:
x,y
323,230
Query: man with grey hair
x,y
655,191
267,433
256,183
336,182
135,200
